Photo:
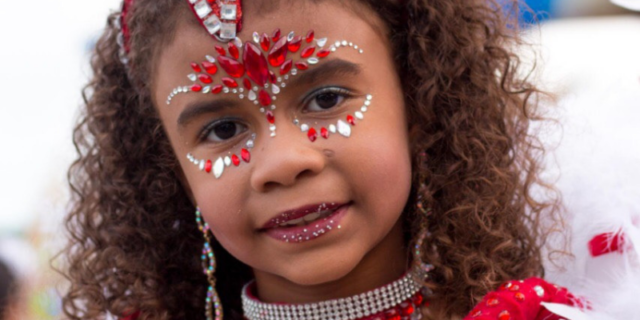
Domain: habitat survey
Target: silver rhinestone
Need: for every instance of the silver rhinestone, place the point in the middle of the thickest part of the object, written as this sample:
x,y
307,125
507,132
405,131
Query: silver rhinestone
x,y
363,109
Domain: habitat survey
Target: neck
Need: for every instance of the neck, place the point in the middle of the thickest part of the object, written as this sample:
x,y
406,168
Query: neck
x,y
385,263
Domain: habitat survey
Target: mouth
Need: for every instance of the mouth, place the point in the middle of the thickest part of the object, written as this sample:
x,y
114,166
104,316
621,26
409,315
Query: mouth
x,y
306,223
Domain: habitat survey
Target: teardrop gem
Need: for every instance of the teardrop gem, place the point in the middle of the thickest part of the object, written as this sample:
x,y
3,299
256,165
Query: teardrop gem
x,y
229,82
195,67
323,53
270,117
321,42
308,51
310,36
264,98
216,89
276,35
196,88
286,67
324,133
246,83
207,166
232,67
294,44
233,51
272,77
221,50
255,64
235,160
252,95
504,315
351,120
265,43
302,65
312,134
205,78
278,53
209,67
218,168
246,156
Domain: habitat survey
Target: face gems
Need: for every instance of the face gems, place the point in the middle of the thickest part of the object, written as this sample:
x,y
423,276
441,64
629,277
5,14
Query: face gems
x,y
343,127
261,84
218,166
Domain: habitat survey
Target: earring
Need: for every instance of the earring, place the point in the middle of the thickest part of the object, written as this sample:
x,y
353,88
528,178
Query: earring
x,y
212,302
422,234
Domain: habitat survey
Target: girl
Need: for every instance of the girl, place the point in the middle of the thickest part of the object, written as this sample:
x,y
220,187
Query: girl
x,y
346,159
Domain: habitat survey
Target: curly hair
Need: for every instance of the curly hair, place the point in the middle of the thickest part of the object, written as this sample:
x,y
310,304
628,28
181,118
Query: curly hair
x,y
134,243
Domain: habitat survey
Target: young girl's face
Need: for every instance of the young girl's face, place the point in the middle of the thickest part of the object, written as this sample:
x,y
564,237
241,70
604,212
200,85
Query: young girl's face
x,y
357,179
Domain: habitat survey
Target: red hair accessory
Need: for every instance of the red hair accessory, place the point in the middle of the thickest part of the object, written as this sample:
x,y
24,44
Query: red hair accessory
x,y
222,19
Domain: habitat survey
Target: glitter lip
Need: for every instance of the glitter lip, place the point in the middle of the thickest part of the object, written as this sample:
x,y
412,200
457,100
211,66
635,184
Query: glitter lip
x,y
311,230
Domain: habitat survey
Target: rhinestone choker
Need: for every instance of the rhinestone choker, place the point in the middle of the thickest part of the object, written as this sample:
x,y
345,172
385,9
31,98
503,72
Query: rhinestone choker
x,y
399,298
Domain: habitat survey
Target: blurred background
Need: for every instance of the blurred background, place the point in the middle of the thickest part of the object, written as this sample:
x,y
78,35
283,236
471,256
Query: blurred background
x,y
586,51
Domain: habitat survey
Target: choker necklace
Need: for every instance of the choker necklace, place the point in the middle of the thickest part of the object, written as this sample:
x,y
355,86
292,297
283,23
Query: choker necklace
x,y
397,300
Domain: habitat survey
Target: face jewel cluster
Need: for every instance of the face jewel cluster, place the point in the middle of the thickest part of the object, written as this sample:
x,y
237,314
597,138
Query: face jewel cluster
x,y
401,299
251,77
218,166
220,18
342,127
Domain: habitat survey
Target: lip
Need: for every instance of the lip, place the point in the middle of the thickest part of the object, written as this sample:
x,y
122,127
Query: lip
x,y
301,212
311,231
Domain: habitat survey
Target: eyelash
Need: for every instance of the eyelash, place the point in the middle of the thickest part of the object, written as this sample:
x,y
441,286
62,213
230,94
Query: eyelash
x,y
343,93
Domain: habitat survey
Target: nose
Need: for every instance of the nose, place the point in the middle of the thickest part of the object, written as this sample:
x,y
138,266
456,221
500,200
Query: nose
x,y
285,159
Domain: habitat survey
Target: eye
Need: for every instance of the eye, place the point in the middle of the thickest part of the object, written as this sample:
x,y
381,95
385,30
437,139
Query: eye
x,y
326,98
222,130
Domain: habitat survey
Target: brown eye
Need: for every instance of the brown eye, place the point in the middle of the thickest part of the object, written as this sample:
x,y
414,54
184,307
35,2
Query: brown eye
x,y
224,130
326,98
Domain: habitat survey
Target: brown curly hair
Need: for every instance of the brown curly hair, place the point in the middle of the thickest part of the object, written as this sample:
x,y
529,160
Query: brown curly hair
x,y
134,240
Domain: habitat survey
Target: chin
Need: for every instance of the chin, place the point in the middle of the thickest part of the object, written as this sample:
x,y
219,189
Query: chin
x,y
319,272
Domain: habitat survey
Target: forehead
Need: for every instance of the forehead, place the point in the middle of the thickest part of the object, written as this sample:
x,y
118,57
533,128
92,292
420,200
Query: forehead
x,y
327,19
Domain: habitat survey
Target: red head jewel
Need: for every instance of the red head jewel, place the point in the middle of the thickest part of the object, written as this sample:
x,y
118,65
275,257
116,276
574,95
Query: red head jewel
x,y
221,18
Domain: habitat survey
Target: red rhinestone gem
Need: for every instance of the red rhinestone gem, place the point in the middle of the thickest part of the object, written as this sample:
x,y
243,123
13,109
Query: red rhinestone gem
x,y
492,302
196,88
504,315
308,51
351,120
246,156
278,52
207,166
310,36
246,83
270,117
276,35
323,53
264,98
406,308
233,51
221,50
392,314
294,44
417,299
205,78
514,288
255,63
272,77
229,82
519,296
302,65
195,67
312,134
324,133
235,160
286,67
209,67
265,43
232,67
216,89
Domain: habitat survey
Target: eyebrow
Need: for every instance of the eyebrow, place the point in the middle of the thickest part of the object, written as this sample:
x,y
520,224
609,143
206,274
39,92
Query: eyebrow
x,y
198,108
331,68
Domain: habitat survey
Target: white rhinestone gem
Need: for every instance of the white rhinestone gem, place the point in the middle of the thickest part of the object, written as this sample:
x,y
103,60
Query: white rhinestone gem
x,y
332,128
321,42
344,128
218,168
192,77
359,115
228,31
275,89
213,24
202,8
539,291
227,161
252,95
313,60
304,127
256,37
228,12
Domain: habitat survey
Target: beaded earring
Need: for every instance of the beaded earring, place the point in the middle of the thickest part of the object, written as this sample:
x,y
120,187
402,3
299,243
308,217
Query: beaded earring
x,y
212,302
